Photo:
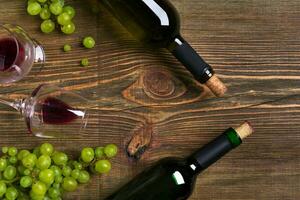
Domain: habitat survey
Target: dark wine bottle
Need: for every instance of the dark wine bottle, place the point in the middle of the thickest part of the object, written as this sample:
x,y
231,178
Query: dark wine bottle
x,y
157,22
174,178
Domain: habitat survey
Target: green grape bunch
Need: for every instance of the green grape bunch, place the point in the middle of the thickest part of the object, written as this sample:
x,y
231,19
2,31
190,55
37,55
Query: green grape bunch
x,y
53,13
46,173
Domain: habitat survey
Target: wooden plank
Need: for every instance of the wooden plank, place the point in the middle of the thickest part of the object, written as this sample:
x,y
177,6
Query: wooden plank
x,y
253,46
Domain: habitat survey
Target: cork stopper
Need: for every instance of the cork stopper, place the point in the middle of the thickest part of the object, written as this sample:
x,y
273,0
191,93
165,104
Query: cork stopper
x,y
216,86
244,130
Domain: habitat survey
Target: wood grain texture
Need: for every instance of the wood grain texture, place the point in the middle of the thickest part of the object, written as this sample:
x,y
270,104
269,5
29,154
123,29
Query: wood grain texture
x,y
254,46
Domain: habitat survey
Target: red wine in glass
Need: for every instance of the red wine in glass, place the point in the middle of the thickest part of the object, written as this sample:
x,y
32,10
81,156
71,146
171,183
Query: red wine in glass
x,y
55,111
18,53
11,51
52,112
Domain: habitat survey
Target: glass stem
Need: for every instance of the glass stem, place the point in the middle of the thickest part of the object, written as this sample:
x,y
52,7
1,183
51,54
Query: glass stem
x,y
17,105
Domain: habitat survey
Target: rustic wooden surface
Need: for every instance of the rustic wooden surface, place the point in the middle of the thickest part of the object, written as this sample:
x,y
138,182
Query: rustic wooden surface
x,y
254,45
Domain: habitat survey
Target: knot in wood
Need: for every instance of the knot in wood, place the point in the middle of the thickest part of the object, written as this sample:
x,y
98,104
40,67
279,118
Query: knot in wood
x,y
158,83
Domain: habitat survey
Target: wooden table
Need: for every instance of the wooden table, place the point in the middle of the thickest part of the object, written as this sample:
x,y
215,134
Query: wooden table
x,y
254,46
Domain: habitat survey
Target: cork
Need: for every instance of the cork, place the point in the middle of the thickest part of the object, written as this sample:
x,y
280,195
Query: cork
x,y
244,130
216,86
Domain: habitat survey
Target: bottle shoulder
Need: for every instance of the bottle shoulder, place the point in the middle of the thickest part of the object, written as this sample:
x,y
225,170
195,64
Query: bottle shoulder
x,y
177,166
165,23
154,22
166,180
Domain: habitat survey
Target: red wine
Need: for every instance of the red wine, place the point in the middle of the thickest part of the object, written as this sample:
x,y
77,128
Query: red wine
x,y
174,178
11,52
157,22
55,111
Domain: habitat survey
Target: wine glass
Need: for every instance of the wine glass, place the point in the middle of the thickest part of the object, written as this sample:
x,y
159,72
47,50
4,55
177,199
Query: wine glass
x,y
52,112
18,53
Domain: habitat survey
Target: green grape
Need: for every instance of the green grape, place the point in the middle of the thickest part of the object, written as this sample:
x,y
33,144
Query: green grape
x,y
58,179
36,171
67,47
11,193
53,192
26,172
35,196
46,176
31,1
69,184
22,154
21,169
61,2
56,8
29,160
68,28
56,170
56,185
63,19
10,172
13,160
45,13
110,150
102,166
75,173
85,62
4,149
34,8
26,181
12,151
70,10
39,188
23,195
71,163
36,151
87,154
3,164
2,188
46,149
47,182
47,198
88,42
42,1
77,165
83,177
60,158
61,189
99,152
43,162
66,171
47,26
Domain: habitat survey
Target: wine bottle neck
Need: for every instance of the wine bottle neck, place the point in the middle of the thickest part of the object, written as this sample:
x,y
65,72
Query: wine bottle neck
x,y
214,150
175,42
190,59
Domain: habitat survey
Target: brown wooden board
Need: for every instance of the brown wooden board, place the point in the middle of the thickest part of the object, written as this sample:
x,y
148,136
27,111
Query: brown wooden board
x,y
254,46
